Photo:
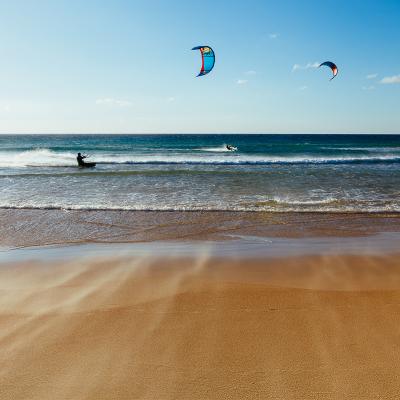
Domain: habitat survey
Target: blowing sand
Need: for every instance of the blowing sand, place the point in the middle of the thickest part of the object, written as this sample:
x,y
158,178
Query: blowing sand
x,y
321,327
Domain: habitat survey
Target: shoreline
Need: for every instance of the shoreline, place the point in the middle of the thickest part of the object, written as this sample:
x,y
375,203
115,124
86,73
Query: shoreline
x,y
236,247
393,213
54,234
26,228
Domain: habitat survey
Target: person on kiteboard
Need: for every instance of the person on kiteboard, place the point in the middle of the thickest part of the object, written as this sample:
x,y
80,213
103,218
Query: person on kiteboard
x,y
80,159
83,164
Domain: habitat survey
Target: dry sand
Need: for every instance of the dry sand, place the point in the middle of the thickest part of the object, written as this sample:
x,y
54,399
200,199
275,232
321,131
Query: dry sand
x,y
322,327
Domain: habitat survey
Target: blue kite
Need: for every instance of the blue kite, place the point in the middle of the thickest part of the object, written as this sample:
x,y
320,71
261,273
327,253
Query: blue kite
x,y
208,59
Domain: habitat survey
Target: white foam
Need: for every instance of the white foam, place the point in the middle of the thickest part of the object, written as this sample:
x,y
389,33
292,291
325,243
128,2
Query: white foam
x,y
46,157
350,208
220,149
302,202
371,149
36,157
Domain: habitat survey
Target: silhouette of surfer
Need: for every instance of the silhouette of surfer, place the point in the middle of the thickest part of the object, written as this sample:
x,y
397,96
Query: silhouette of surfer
x,y
83,164
80,159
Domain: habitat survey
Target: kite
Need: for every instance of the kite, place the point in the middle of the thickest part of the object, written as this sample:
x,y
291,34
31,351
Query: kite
x,y
332,66
208,59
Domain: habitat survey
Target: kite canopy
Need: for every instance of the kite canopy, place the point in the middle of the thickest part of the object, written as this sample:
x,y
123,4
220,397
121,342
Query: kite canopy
x,y
332,66
208,59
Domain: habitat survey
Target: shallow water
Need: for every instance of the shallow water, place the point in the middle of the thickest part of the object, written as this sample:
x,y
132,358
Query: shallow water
x,y
238,248
279,173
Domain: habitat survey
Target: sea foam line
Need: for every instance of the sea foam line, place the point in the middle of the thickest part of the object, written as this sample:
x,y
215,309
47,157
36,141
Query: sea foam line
x,y
48,158
320,208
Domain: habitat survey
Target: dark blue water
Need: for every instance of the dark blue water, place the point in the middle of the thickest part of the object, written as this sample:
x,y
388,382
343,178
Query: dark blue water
x,y
359,173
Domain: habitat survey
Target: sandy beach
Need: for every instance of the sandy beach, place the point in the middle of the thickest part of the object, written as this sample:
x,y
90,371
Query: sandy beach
x,y
322,326
200,200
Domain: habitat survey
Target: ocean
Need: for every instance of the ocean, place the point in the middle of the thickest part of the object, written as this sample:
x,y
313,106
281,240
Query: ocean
x,y
267,173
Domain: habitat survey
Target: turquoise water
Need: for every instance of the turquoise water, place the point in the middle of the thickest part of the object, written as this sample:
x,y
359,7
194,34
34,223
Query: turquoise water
x,y
357,173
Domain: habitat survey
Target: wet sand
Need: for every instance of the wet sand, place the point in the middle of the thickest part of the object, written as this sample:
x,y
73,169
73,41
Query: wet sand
x,y
315,327
24,228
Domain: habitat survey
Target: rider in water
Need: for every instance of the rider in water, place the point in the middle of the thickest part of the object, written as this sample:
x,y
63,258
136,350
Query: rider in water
x,y
80,159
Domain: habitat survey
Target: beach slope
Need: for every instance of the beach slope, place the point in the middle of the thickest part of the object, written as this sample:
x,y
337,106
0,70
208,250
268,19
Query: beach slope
x,y
315,327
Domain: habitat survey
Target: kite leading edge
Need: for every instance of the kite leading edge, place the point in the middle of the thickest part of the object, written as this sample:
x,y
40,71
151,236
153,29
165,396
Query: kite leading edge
x,y
208,59
332,66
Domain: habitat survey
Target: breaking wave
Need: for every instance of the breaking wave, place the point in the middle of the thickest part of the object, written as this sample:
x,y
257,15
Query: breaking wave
x,y
271,206
220,149
49,158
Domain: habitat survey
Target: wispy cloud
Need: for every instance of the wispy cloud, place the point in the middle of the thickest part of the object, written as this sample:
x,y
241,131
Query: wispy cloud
x,y
273,35
303,88
368,88
242,81
390,80
251,72
371,76
109,101
306,66
171,99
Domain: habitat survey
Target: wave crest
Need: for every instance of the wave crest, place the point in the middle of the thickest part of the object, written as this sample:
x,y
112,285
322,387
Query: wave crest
x,y
36,157
49,158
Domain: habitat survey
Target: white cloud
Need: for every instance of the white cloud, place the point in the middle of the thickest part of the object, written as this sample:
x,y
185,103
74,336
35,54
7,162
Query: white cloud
x,y
273,35
109,101
242,81
303,87
368,88
307,66
371,76
389,80
171,99
251,72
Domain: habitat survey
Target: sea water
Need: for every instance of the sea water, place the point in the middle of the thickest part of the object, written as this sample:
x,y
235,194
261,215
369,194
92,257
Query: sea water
x,y
275,173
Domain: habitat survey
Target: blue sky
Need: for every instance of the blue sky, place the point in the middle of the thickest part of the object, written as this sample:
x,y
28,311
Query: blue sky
x,y
126,66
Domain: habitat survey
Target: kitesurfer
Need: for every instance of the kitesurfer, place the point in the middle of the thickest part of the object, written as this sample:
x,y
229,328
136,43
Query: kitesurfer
x,y
80,159
229,147
83,164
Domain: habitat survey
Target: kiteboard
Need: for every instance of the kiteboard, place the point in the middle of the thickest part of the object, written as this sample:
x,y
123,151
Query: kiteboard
x,y
88,165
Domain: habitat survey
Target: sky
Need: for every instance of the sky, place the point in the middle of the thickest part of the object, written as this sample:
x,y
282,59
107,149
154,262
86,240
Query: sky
x,y
72,66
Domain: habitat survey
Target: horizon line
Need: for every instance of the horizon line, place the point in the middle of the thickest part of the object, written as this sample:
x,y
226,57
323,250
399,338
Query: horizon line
x,y
198,133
